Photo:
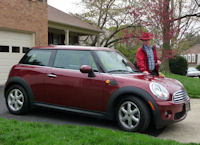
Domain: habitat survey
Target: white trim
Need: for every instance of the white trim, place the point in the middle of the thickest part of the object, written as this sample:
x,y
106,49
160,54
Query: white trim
x,y
193,57
198,59
66,37
189,58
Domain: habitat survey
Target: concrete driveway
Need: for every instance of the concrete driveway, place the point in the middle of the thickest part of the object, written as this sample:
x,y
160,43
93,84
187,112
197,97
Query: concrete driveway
x,y
184,131
187,130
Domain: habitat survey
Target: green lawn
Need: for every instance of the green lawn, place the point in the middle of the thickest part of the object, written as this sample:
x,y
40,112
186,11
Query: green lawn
x,y
14,132
192,85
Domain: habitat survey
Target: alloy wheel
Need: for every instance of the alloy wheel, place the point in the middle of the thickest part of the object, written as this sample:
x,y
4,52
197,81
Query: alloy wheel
x,y
129,115
15,99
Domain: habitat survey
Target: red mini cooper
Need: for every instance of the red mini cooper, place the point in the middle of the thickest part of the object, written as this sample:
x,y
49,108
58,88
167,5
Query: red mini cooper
x,y
95,81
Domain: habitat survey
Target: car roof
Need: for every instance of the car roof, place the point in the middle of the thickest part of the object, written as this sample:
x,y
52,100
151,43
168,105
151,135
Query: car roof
x,y
70,47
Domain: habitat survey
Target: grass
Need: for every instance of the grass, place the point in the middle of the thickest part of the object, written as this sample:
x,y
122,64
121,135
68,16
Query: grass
x,y
14,132
190,84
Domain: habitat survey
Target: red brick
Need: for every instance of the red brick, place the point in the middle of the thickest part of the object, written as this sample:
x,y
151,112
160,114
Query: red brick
x,y
26,15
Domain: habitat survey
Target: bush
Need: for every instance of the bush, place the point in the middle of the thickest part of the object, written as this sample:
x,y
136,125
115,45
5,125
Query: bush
x,y
198,67
178,65
129,53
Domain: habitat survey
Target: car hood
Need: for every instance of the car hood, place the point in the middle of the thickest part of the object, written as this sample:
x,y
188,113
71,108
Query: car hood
x,y
171,85
194,72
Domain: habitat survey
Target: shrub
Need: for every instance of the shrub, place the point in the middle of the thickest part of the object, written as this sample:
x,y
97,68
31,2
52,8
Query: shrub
x,y
130,53
178,65
198,67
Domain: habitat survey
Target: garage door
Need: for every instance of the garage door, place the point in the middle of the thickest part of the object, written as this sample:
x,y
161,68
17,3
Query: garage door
x,y
13,45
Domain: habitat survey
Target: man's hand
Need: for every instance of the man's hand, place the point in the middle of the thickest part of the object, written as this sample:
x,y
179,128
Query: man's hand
x,y
161,74
145,72
159,62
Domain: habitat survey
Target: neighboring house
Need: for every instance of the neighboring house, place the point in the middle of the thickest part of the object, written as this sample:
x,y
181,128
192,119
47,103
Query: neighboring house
x,y
192,55
28,23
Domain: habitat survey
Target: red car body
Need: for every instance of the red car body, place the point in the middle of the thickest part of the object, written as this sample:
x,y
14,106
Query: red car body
x,y
74,90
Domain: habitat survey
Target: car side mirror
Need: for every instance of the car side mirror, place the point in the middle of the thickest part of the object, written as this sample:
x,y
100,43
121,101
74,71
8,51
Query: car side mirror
x,y
87,69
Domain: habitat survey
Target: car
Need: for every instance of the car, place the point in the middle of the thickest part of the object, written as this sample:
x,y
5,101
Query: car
x,y
193,72
94,81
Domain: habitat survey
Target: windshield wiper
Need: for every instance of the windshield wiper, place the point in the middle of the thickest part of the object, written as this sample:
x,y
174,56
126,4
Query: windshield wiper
x,y
124,62
119,70
95,70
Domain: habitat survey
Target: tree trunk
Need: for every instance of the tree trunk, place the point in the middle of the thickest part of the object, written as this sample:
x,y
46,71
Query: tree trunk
x,y
166,37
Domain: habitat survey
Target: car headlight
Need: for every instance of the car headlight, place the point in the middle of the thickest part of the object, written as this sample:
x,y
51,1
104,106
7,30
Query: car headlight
x,y
159,91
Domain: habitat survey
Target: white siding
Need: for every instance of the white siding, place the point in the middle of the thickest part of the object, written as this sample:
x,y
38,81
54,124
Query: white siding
x,y
12,39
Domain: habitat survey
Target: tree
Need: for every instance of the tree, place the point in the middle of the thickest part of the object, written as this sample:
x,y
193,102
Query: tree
x,y
167,19
188,41
107,14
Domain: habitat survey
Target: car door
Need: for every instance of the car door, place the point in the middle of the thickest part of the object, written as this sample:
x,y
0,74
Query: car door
x,y
67,86
33,69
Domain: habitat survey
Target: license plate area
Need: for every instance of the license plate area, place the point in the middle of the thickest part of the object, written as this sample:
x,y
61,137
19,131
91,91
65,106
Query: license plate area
x,y
187,106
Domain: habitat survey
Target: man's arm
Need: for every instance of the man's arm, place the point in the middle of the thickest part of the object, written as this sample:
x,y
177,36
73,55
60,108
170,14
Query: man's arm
x,y
140,60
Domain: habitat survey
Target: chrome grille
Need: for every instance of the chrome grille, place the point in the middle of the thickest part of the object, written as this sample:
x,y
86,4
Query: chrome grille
x,y
180,96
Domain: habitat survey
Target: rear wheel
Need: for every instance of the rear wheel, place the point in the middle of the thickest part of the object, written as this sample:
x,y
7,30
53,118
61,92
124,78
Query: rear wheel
x,y
17,100
133,114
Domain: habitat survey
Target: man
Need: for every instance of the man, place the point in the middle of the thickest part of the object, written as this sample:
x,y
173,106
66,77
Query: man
x,y
147,60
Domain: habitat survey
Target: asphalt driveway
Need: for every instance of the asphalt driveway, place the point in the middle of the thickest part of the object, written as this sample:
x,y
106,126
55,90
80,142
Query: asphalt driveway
x,y
185,131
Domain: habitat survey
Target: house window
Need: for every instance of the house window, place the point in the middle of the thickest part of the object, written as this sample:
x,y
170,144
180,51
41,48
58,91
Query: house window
x,y
55,38
73,39
25,49
15,49
4,48
193,58
189,57
186,57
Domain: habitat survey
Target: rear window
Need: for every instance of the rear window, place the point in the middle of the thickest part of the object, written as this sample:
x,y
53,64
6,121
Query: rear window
x,y
37,57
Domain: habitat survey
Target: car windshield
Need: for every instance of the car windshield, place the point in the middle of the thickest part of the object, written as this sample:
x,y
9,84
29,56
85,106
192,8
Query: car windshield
x,y
114,62
190,69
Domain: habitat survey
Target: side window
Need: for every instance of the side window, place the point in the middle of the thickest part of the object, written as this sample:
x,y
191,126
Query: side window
x,y
73,59
37,57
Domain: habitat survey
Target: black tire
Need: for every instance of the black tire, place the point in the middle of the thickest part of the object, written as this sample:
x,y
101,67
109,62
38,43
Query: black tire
x,y
17,100
139,121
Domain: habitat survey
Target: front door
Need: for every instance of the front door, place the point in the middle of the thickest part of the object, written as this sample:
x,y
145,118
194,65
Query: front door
x,y
65,85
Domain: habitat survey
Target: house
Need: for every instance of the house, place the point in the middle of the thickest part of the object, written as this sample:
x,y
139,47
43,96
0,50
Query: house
x,y
28,23
192,55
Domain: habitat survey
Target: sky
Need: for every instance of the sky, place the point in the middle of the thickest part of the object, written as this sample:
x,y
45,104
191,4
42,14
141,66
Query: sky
x,y
68,6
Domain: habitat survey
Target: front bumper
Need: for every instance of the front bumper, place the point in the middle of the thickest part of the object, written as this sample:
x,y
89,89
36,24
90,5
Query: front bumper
x,y
170,112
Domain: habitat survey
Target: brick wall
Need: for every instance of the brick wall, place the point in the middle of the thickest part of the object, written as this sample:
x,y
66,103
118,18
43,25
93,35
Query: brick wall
x,y
26,15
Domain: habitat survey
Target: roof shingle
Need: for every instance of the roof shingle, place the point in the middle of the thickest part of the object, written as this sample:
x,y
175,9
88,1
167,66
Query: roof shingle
x,y
193,50
58,16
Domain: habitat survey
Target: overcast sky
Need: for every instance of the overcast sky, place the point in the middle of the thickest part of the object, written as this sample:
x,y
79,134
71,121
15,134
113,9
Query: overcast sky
x,y
68,6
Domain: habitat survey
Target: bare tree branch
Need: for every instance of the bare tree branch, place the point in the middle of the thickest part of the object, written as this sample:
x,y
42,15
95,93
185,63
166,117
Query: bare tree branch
x,y
115,32
186,16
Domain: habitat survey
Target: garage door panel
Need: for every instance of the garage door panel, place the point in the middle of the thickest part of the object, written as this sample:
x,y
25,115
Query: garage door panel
x,y
8,59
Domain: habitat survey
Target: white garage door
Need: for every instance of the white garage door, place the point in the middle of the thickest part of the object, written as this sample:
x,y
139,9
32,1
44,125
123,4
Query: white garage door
x,y
13,45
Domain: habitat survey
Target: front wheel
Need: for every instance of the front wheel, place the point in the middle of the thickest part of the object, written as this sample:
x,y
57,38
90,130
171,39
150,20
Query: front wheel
x,y
133,114
17,100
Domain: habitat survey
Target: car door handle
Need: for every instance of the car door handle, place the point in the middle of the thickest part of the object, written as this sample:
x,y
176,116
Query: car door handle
x,y
51,75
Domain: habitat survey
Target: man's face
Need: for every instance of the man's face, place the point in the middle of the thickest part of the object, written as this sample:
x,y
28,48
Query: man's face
x,y
147,42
